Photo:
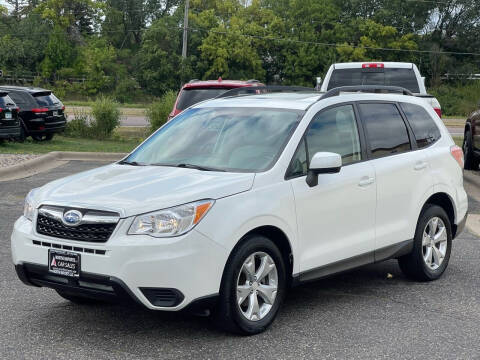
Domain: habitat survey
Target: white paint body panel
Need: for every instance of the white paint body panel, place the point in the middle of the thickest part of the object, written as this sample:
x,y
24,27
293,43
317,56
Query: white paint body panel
x,y
336,220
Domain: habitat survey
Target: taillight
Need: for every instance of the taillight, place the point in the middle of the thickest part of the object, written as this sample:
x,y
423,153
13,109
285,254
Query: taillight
x,y
63,107
39,110
438,111
1,110
457,154
373,65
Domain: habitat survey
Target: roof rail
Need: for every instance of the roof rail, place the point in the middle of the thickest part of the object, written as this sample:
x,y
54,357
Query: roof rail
x,y
376,89
254,90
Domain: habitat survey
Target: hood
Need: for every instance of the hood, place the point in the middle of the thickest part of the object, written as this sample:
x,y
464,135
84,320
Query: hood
x,y
133,190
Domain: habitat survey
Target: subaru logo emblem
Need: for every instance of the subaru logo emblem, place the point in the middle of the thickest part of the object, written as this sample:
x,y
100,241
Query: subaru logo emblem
x,y
72,218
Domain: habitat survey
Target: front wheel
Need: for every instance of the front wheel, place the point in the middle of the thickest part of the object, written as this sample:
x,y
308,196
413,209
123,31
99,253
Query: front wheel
x,y
253,287
431,248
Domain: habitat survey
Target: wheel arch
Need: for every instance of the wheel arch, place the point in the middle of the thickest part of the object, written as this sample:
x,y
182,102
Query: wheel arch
x,y
279,237
446,203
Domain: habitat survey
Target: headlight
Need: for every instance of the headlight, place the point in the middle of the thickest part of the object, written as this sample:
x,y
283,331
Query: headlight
x,y
171,222
28,208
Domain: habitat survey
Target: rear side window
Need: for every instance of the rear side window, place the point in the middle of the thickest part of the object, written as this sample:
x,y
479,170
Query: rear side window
x,y
18,98
189,97
385,128
375,76
46,99
5,100
424,128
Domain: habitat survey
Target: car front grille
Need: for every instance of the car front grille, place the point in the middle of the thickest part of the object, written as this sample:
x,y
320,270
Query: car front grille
x,y
49,223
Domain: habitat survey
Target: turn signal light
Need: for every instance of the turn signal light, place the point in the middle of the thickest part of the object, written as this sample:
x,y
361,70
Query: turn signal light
x,y
457,154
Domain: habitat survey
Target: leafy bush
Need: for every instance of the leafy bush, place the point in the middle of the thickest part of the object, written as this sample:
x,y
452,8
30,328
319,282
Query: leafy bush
x,y
79,126
157,113
105,117
458,99
126,90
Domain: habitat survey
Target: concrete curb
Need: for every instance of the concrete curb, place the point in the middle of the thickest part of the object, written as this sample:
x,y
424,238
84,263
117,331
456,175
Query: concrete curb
x,y
52,160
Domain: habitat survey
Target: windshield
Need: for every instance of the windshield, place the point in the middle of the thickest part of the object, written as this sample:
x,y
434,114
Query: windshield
x,y
5,100
46,99
224,139
189,97
376,76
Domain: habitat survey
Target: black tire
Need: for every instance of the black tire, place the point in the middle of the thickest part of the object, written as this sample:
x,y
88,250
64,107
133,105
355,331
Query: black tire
x,y
471,162
78,299
23,135
227,313
42,137
413,265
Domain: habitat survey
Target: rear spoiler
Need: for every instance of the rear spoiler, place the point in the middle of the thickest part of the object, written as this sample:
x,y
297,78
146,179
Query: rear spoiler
x,y
42,93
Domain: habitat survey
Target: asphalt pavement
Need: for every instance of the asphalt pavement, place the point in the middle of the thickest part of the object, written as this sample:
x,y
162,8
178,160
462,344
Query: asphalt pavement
x,y
370,313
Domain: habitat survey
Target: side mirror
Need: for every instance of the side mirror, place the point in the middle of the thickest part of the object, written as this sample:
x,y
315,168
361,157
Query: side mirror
x,y
323,163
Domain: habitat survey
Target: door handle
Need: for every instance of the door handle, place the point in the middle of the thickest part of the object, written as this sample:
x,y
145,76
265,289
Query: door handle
x,y
365,181
420,165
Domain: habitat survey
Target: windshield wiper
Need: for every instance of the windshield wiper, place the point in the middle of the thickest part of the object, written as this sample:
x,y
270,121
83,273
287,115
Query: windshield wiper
x,y
199,167
133,163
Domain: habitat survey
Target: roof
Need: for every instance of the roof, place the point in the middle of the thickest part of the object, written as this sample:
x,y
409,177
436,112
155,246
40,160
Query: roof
x,y
354,65
220,83
284,100
301,100
29,89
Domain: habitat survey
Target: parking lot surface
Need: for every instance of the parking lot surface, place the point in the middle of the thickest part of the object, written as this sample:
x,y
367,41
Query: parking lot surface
x,y
373,312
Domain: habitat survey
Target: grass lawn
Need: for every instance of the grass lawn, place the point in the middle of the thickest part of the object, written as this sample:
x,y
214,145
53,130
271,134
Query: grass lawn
x,y
62,143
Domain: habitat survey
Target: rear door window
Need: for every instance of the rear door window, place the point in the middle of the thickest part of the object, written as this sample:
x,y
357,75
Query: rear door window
x,y
386,131
424,128
375,76
46,99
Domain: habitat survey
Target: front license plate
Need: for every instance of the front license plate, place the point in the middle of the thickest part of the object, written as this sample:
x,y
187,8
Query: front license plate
x,y
64,263
8,115
55,113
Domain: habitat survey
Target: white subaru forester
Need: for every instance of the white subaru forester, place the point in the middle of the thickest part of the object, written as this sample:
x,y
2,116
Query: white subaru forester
x,y
239,198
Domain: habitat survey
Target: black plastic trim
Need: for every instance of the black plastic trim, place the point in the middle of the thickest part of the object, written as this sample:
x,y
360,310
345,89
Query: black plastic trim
x,y
163,297
388,252
458,228
394,251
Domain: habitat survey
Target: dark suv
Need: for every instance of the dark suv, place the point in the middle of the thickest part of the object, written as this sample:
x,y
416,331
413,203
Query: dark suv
x,y
41,113
471,141
9,124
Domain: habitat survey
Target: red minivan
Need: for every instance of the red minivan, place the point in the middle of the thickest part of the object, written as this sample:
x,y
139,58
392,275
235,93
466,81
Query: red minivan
x,y
197,90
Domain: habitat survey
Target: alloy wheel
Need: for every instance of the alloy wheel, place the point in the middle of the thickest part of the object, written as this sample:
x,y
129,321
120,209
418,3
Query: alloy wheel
x,y
434,243
257,286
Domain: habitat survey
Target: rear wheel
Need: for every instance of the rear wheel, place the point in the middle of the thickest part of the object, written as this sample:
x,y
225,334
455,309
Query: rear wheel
x,y
253,287
23,135
432,246
471,162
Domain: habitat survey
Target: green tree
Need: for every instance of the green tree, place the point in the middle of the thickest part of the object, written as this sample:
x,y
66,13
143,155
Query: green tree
x,y
159,61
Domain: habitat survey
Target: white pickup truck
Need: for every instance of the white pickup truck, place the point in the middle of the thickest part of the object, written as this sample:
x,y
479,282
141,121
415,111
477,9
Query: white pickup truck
x,y
399,74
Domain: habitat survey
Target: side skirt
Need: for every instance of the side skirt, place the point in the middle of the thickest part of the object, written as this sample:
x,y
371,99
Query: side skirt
x,y
385,253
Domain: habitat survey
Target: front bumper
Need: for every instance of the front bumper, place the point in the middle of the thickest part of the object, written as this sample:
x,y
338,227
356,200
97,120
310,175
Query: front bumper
x,y
138,267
